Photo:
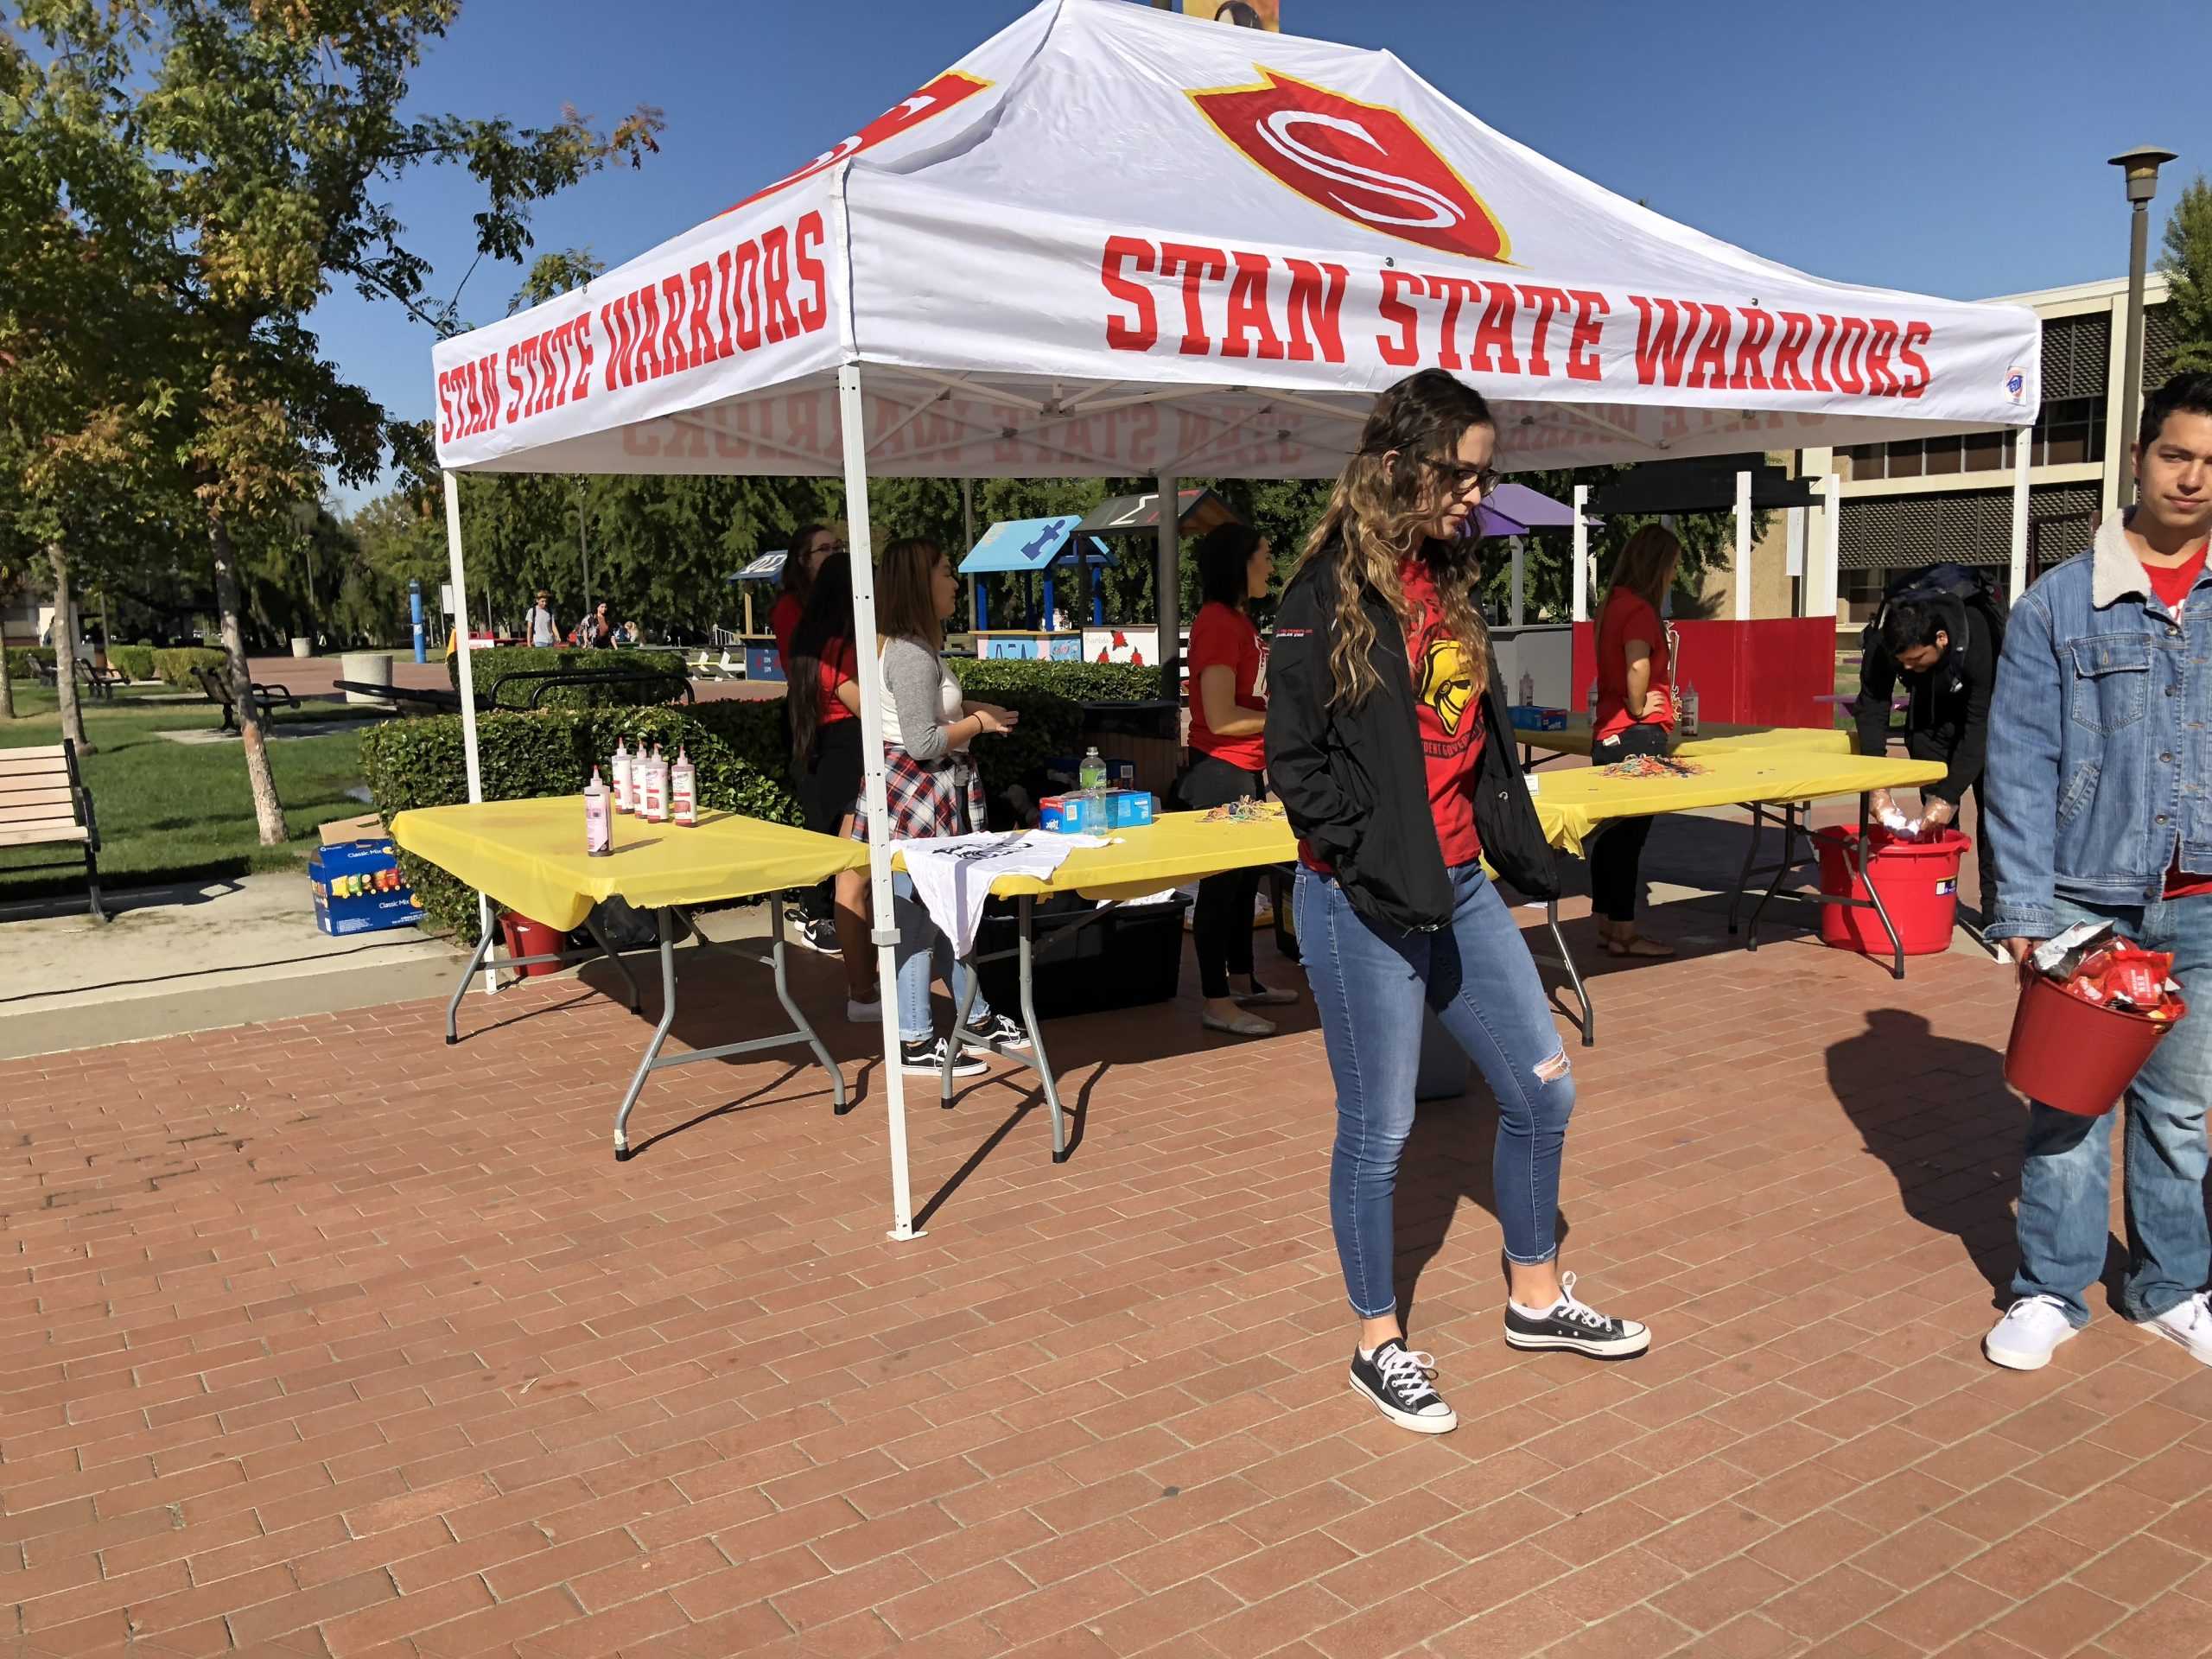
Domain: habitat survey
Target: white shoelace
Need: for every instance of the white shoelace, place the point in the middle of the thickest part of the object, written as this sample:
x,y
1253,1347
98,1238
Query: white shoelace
x,y
1405,1373
2200,1312
2021,1309
1568,1307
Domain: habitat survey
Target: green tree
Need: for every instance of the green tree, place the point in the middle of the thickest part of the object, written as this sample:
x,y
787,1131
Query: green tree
x,y
262,137
2187,263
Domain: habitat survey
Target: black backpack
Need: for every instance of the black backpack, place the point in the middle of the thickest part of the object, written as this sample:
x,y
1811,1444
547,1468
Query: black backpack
x,y
1947,583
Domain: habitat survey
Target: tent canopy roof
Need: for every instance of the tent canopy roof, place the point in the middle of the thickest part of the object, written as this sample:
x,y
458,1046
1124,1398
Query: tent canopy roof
x,y
1112,243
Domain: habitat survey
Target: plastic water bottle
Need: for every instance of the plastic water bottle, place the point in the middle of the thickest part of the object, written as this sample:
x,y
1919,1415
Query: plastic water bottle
x,y
599,822
1688,709
625,800
684,790
1527,690
1091,776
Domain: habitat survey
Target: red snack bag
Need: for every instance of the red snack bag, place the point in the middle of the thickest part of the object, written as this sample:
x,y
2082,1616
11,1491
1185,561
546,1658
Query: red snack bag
x,y
2087,990
2137,978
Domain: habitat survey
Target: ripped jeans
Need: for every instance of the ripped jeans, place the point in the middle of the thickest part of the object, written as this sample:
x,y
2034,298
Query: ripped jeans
x,y
1369,982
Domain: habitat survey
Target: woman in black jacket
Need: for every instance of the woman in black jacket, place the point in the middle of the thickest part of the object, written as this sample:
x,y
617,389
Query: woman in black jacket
x,y
1389,742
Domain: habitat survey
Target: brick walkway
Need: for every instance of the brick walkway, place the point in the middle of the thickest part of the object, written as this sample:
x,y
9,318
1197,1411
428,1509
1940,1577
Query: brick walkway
x,y
323,1338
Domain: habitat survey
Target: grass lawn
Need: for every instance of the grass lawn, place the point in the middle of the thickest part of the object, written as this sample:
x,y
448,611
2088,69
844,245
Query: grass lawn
x,y
172,811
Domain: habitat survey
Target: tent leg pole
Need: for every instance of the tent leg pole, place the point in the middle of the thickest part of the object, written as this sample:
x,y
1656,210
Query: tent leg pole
x,y
1168,580
2022,454
467,669
852,413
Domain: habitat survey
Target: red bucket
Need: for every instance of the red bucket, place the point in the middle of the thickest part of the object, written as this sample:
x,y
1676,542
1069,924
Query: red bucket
x,y
524,938
1919,883
2075,1055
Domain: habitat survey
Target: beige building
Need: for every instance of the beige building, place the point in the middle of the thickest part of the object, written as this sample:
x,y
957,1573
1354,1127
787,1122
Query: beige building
x,y
1908,504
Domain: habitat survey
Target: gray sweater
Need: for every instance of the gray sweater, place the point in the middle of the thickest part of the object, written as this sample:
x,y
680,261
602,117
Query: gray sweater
x,y
924,698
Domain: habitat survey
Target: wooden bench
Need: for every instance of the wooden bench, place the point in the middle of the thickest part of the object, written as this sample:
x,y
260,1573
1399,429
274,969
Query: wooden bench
x,y
100,682
216,683
44,803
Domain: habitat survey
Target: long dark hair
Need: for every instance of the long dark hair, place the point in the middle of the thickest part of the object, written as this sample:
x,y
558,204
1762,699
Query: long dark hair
x,y
1224,555
1646,566
905,591
1378,518
798,579
823,629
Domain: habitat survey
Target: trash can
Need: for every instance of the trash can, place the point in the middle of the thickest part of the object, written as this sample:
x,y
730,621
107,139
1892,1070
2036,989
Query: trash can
x,y
524,938
369,668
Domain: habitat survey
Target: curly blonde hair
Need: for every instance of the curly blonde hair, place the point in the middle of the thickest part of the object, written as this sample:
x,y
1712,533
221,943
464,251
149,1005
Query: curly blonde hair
x,y
1379,515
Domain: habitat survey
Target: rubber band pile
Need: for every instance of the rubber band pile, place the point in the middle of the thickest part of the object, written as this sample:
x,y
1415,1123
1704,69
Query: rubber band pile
x,y
1654,766
1243,810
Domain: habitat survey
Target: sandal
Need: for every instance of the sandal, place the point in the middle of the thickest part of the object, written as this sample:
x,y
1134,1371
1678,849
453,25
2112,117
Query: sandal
x,y
1263,996
1244,1025
1637,945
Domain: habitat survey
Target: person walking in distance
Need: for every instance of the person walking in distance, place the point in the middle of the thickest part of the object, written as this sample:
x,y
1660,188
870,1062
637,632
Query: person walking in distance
x,y
1389,742
537,623
2099,803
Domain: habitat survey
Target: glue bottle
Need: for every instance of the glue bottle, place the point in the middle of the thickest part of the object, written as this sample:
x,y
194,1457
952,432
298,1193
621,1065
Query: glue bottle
x,y
599,824
684,790
1688,709
1527,689
625,800
652,788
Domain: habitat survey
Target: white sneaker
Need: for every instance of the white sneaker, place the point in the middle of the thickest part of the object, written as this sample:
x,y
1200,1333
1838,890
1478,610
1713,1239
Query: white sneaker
x,y
863,1014
2032,1328
2188,1323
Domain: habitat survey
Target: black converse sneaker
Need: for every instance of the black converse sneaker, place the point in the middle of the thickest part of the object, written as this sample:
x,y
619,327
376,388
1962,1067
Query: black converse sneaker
x,y
1575,1325
1000,1031
925,1055
1397,1380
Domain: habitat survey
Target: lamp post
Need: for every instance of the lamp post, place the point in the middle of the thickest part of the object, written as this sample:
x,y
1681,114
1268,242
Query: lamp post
x,y
2140,168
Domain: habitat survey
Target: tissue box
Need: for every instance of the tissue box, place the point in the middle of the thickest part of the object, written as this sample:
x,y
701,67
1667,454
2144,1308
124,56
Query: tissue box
x,y
1128,809
1526,718
1073,815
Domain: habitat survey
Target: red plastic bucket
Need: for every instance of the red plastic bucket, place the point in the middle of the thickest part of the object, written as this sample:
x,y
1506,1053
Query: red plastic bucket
x,y
1919,883
524,938
2075,1055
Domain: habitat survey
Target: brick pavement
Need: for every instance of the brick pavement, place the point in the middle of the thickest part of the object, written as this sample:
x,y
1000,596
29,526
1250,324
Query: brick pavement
x,y
324,1339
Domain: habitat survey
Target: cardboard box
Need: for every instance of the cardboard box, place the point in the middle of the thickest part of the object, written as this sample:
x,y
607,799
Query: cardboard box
x,y
357,888
1128,809
1528,719
367,827
1075,814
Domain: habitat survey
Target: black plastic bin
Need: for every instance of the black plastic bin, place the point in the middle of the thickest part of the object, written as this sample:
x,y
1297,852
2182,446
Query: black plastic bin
x,y
1130,956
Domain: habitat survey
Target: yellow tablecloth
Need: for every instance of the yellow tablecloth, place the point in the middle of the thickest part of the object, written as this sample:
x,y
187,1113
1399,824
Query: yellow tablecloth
x,y
1714,738
1174,848
529,856
1573,802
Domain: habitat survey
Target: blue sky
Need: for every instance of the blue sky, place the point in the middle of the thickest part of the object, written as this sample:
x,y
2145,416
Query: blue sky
x,y
1953,148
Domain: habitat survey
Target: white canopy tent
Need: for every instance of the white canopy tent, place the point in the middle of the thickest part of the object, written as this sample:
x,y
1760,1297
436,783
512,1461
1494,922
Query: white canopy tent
x,y
1111,242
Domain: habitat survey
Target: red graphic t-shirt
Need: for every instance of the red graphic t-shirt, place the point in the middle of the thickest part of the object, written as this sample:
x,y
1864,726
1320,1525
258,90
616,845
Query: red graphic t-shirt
x,y
2173,583
1449,721
1629,616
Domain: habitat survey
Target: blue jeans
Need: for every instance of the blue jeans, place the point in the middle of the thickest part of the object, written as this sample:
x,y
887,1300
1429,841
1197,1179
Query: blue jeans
x,y
2066,1181
924,954
1369,982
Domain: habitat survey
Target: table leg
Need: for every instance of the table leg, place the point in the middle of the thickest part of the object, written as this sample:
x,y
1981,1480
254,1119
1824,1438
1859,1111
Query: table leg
x,y
1861,857
963,1002
1744,875
1035,1027
1573,974
453,1009
839,1104
599,937
662,919
1793,831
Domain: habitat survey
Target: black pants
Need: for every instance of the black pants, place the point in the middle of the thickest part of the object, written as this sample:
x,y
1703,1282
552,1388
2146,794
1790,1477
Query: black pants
x,y
1221,924
1921,746
1616,854
827,789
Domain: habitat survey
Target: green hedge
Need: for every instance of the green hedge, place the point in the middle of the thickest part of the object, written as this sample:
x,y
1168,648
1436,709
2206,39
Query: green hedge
x,y
133,662
1075,682
516,659
20,658
175,666
738,748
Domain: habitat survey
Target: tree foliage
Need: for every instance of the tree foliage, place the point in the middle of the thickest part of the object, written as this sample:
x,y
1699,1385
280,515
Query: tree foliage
x,y
2187,263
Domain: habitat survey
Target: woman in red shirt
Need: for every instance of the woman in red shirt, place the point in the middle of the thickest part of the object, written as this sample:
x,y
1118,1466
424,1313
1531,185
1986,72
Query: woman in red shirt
x,y
1636,715
822,696
810,545
1228,721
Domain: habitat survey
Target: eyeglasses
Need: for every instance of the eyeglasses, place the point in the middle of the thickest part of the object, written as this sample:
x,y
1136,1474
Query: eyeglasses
x,y
1485,479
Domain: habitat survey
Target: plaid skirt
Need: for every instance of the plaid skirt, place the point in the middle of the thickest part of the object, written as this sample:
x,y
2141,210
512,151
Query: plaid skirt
x,y
927,799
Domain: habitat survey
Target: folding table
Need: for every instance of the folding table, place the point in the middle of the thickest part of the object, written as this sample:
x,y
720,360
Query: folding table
x,y
528,857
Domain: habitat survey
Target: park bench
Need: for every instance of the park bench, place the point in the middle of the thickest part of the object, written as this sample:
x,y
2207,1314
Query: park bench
x,y
43,802
216,683
100,682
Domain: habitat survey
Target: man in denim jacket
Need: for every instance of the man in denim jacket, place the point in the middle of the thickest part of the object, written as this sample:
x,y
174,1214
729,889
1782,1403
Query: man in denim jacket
x,y
2100,773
